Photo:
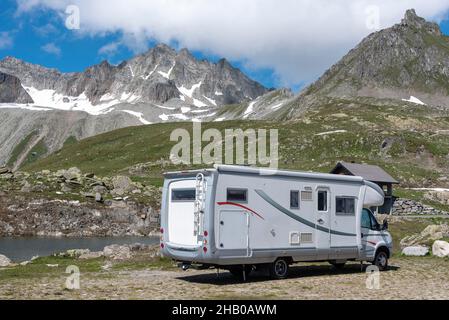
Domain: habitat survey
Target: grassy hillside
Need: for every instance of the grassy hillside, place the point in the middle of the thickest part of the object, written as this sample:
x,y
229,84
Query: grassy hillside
x,y
409,141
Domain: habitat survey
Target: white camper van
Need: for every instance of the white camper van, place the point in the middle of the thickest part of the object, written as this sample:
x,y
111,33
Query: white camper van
x,y
241,218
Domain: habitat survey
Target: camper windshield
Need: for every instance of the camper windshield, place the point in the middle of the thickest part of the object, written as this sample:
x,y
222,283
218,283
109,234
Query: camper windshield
x,y
369,221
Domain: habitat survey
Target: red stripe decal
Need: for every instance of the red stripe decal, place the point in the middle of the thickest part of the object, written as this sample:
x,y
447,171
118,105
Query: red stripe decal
x,y
373,243
240,206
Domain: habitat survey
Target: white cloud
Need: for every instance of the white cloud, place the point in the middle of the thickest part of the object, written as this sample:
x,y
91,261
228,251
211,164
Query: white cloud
x,y
299,39
6,41
46,30
51,48
109,49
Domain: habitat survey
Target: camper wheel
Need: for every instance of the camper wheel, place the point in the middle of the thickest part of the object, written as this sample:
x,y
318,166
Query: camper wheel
x,y
381,259
279,269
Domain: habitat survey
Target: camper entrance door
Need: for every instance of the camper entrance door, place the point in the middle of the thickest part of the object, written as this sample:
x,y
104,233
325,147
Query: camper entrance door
x,y
322,232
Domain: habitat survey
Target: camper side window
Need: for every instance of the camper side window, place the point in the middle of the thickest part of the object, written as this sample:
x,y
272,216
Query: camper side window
x,y
345,206
322,200
294,199
183,195
237,195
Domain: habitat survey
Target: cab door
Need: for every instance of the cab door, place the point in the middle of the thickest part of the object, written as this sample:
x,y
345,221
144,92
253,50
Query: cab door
x,y
368,233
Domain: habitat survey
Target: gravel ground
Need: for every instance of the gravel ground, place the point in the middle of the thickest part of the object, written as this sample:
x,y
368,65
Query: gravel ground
x,y
407,278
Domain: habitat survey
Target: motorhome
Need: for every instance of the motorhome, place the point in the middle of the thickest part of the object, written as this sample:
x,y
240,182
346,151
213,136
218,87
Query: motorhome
x,y
241,218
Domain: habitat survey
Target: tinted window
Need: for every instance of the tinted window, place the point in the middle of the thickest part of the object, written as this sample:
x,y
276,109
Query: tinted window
x,y
345,206
366,220
294,199
237,195
183,195
322,200
374,224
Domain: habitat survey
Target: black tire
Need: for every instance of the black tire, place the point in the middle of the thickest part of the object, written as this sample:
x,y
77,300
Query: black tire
x,y
338,266
381,260
237,272
279,269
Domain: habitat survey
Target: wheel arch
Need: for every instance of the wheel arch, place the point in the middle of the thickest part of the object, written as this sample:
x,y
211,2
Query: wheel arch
x,y
383,248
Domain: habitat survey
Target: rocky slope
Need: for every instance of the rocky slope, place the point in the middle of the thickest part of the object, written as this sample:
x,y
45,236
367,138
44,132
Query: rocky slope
x,y
11,90
69,203
410,59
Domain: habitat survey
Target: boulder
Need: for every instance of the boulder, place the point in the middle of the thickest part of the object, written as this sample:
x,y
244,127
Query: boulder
x,y
99,189
440,249
91,255
98,197
4,261
427,236
122,185
71,174
74,253
117,252
417,251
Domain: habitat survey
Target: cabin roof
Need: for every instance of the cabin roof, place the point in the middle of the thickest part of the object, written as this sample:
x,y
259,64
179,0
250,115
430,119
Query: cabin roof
x,y
368,172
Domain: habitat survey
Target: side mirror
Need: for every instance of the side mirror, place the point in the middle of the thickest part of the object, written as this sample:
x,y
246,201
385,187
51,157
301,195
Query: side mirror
x,y
385,225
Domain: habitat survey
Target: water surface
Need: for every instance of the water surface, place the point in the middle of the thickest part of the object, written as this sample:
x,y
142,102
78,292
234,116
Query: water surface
x,y
23,249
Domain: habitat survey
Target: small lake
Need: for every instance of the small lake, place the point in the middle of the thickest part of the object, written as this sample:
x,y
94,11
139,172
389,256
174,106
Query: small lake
x,y
23,249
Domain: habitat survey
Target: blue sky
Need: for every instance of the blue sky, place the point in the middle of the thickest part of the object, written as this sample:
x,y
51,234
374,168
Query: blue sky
x,y
39,36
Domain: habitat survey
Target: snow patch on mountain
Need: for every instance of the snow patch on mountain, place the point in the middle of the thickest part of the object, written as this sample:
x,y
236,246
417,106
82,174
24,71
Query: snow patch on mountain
x,y
132,72
250,109
139,115
331,132
51,99
166,75
414,100
164,117
199,104
151,73
189,92
163,107
210,100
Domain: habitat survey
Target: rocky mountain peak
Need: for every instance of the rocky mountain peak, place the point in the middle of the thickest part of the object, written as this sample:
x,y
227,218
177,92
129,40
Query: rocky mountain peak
x,y
410,59
411,19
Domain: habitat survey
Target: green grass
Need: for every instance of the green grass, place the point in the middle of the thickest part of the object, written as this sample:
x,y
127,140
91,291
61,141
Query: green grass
x,y
39,150
368,124
157,263
18,150
70,140
38,268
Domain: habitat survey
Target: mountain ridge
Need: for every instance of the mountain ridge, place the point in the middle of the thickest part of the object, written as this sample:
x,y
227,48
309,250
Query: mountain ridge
x,y
409,59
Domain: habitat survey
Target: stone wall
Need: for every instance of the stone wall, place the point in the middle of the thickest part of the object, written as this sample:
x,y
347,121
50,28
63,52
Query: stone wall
x,y
410,207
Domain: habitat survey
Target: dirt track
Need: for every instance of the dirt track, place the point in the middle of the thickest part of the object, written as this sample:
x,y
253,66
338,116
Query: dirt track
x,y
408,278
